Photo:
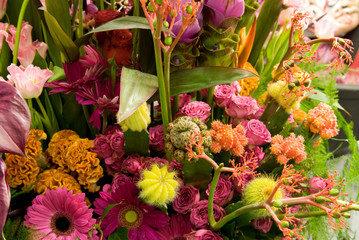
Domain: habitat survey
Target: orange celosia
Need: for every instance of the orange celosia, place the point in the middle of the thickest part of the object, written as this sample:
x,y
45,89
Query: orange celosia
x,y
89,171
299,116
224,137
248,84
323,121
289,148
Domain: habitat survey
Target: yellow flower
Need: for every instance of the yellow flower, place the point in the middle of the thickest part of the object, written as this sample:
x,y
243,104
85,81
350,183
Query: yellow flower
x,y
159,186
248,85
138,121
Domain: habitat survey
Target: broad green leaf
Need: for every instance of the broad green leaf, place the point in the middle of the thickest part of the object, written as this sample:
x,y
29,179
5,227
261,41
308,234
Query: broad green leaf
x,y
128,22
39,61
197,173
266,19
322,97
185,81
121,233
5,58
107,209
136,88
53,51
59,74
59,9
132,138
61,39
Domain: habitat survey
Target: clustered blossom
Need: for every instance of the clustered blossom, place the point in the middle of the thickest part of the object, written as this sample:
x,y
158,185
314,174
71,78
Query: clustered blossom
x,y
288,148
256,132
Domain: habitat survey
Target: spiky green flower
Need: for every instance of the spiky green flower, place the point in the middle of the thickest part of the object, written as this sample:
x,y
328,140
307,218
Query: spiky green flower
x,y
159,186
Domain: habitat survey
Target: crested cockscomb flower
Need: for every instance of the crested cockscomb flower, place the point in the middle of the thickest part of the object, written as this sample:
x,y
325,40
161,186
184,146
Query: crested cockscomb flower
x,y
323,121
288,148
226,138
60,214
138,217
159,185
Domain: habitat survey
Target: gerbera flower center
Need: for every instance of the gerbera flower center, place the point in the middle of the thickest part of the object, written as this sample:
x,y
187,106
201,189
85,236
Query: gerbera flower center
x,y
62,224
130,217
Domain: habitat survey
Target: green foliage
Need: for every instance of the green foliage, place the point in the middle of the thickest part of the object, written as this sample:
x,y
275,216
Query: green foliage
x,y
197,173
15,229
121,233
137,142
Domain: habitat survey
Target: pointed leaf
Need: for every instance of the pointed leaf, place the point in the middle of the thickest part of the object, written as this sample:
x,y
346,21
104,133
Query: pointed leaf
x,y
322,97
61,39
60,10
185,81
136,88
5,58
14,120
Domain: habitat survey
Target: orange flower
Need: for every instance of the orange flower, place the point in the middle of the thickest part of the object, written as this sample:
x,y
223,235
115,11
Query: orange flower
x,y
224,137
289,148
248,84
323,121
299,116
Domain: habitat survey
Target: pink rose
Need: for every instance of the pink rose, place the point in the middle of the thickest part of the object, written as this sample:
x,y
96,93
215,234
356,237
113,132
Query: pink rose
x,y
197,109
156,138
316,184
224,191
147,163
117,142
258,113
132,164
245,178
184,99
223,94
102,146
237,87
203,234
256,132
187,197
199,214
262,224
241,106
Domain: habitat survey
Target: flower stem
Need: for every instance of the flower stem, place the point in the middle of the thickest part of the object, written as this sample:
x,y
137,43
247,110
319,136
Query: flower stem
x,y
18,30
113,4
175,105
215,179
166,70
46,119
210,96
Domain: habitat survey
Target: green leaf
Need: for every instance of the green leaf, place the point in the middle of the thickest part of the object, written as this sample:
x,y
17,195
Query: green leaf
x,y
39,61
322,97
5,58
106,210
132,138
59,74
190,80
59,9
197,173
53,50
128,22
266,20
136,88
50,112
61,39
121,233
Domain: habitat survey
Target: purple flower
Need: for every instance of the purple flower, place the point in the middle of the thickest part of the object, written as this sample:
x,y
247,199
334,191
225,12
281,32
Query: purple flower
x,y
117,142
203,234
197,109
187,197
102,146
223,94
225,9
180,225
199,214
118,180
262,224
317,184
256,132
241,107
156,138
147,163
132,164
4,196
224,191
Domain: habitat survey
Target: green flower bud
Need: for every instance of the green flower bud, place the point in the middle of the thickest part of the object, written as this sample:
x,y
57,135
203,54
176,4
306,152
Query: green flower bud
x,y
320,199
291,86
138,121
166,24
346,215
189,9
297,83
150,7
277,203
307,83
336,215
333,192
284,224
168,40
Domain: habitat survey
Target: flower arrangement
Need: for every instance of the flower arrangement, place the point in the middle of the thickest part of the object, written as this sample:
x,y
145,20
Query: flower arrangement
x,y
169,119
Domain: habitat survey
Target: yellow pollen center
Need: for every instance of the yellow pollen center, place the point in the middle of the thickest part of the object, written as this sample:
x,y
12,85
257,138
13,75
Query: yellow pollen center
x,y
131,216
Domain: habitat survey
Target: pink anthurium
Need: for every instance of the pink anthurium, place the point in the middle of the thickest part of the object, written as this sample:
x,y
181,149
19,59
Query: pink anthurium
x,y
4,196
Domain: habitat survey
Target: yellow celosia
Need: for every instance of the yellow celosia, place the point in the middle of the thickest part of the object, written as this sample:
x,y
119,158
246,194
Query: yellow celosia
x,y
89,171
159,186
21,172
248,85
138,121
76,152
54,178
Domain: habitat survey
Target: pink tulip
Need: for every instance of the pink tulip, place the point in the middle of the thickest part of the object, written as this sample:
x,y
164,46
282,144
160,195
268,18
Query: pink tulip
x,y
2,8
4,196
27,48
3,33
29,81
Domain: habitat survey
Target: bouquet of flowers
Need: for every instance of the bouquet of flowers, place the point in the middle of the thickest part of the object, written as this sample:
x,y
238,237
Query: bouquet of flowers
x,y
170,119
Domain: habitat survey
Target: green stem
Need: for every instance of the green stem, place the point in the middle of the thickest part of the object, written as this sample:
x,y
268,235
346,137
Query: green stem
x,y
166,70
18,30
215,179
175,105
87,117
46,119
210,96
102,5
104,121
136,32
113,5
80,30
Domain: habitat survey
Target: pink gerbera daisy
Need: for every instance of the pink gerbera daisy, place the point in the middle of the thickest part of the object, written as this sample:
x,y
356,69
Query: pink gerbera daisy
x,y
60,215
180,226
138,217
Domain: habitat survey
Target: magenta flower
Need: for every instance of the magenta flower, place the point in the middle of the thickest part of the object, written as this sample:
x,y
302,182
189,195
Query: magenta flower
x,y
225,9
224,191
241,107
29,81
180,225
186,198
203,234
132,165
157,142
60,215
197,109
223,94
140,218
102,146
199,214
5,196
262,224
27,48
317,184
116,183
256,132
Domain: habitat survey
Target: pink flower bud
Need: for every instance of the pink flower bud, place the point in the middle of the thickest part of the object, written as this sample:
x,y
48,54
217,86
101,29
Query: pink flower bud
x,y
316,184
262,224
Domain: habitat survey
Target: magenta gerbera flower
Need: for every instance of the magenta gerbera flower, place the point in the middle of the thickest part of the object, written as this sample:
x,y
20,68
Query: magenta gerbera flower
x,y
180,226
141,219
60,215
